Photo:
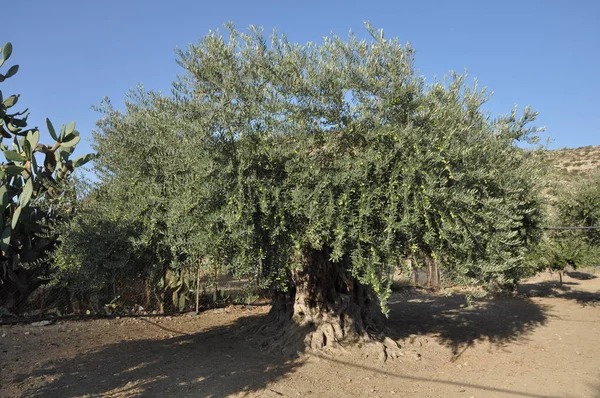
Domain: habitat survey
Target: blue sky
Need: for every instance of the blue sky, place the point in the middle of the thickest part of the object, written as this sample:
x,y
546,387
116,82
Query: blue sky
x,y
540,53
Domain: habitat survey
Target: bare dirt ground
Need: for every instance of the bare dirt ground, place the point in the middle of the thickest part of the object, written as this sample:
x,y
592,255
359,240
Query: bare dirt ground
x,y
543,343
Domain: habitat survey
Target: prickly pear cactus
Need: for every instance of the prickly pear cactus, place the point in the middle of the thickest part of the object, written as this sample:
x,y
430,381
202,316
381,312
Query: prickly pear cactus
x,y
32,175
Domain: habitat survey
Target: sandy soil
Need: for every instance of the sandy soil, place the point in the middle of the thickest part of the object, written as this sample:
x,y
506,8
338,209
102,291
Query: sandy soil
x,y
543,343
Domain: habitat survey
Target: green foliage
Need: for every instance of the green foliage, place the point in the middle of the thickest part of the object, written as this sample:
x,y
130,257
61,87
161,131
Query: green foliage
x,y
267,151
341,145
34,185
96,248
148,219
578,205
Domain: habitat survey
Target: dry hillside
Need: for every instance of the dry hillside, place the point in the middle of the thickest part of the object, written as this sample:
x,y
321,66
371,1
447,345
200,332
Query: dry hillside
x,y
575,161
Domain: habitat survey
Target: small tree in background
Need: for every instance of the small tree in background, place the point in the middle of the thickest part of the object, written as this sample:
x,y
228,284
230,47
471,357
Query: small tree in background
x,y
576,205
580,206
95,258
147,220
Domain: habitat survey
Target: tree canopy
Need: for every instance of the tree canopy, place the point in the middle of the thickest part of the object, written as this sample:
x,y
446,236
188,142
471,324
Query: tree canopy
x,y
317,169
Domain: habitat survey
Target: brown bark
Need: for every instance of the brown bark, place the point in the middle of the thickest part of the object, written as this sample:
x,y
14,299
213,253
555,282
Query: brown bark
x,y
560,275
324,307
147,293
197,290
433,273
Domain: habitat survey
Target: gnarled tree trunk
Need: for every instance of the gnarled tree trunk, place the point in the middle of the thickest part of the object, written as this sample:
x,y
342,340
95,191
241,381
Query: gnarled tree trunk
x,y
324,307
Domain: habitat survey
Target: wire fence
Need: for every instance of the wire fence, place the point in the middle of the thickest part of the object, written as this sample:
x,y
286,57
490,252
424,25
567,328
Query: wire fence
x,y
129,297
570,228
142,297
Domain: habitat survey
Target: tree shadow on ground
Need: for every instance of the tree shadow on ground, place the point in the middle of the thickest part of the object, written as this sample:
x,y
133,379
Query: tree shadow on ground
x,y
216,362
584,276
221,361
451,322
545,288
564,291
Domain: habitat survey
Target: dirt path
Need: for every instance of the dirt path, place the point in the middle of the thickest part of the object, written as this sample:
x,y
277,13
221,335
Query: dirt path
x,y
544,343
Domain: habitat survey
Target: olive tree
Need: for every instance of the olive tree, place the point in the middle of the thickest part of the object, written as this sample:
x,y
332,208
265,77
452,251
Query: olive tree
x,y
316,169
333,161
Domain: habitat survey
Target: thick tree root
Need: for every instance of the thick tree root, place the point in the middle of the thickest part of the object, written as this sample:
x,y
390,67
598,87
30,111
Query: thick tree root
x,y
326,309
327,338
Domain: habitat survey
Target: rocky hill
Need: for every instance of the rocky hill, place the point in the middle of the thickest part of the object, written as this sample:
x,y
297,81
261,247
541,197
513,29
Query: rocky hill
x,y
575,161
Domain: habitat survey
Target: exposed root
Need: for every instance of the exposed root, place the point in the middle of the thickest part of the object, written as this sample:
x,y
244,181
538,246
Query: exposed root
x,y
325,309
